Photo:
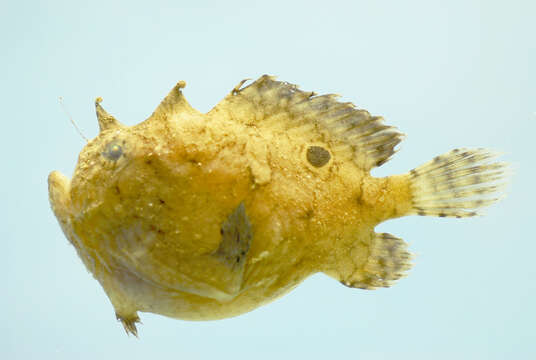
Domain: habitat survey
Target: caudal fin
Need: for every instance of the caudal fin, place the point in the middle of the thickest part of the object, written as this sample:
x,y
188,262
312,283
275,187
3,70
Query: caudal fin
x,y
457,184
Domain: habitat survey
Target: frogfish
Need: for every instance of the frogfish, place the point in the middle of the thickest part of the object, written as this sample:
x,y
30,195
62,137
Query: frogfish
x,y
203,216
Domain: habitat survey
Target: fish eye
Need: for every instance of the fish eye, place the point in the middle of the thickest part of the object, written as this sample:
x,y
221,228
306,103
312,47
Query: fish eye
x,y
113,151
317,156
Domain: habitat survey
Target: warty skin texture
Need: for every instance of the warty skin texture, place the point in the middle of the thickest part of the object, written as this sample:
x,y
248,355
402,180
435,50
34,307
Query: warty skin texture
x,y
146,204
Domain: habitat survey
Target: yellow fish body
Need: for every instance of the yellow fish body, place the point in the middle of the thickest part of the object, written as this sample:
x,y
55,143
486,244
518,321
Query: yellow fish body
x,y
207,216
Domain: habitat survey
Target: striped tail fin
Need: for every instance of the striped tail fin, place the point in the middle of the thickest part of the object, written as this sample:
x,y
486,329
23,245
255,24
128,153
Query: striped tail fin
x,y
457,184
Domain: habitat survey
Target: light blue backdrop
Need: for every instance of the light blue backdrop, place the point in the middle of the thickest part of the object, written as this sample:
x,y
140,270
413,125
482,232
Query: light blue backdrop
x,y
447,73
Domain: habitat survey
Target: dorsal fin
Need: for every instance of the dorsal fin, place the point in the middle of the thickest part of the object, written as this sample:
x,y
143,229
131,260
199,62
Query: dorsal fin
x,y
172,105
106,121
266,102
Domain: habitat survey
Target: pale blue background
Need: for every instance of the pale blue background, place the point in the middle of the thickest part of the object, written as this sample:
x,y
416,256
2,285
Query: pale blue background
x,y
447,73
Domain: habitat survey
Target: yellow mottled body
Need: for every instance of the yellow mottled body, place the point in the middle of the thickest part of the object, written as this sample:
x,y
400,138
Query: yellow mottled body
x,y
154,210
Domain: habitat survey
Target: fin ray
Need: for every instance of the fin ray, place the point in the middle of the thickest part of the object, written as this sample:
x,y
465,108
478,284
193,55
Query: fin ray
x,y
267,102
387,262
457,184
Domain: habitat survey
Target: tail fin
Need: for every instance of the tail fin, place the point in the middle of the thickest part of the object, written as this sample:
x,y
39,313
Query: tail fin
x,y
457,184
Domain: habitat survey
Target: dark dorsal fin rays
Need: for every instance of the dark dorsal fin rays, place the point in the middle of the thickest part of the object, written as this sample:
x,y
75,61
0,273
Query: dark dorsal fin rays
x,y
106,121
352,133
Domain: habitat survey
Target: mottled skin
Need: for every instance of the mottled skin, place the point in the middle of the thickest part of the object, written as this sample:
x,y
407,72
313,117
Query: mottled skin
x,y
148,223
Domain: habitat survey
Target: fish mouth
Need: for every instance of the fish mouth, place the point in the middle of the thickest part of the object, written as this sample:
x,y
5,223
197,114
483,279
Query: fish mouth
x,y
54,176
57,183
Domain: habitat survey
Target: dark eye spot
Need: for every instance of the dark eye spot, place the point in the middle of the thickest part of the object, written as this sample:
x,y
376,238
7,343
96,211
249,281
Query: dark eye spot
x,y
113,151
317,156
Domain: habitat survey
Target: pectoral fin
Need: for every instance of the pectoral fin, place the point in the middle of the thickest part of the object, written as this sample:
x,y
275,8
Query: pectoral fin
x,y
386,260
217,275
236,239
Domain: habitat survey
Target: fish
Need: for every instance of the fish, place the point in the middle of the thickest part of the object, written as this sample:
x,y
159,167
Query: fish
x,y
205,216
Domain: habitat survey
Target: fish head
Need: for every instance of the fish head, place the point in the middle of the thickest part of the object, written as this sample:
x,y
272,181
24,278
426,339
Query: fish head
x,y
117,159
113,182
149,181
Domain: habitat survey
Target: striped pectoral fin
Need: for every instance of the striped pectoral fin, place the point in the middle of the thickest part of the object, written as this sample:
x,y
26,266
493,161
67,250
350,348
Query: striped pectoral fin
x,y
457,184
387,261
